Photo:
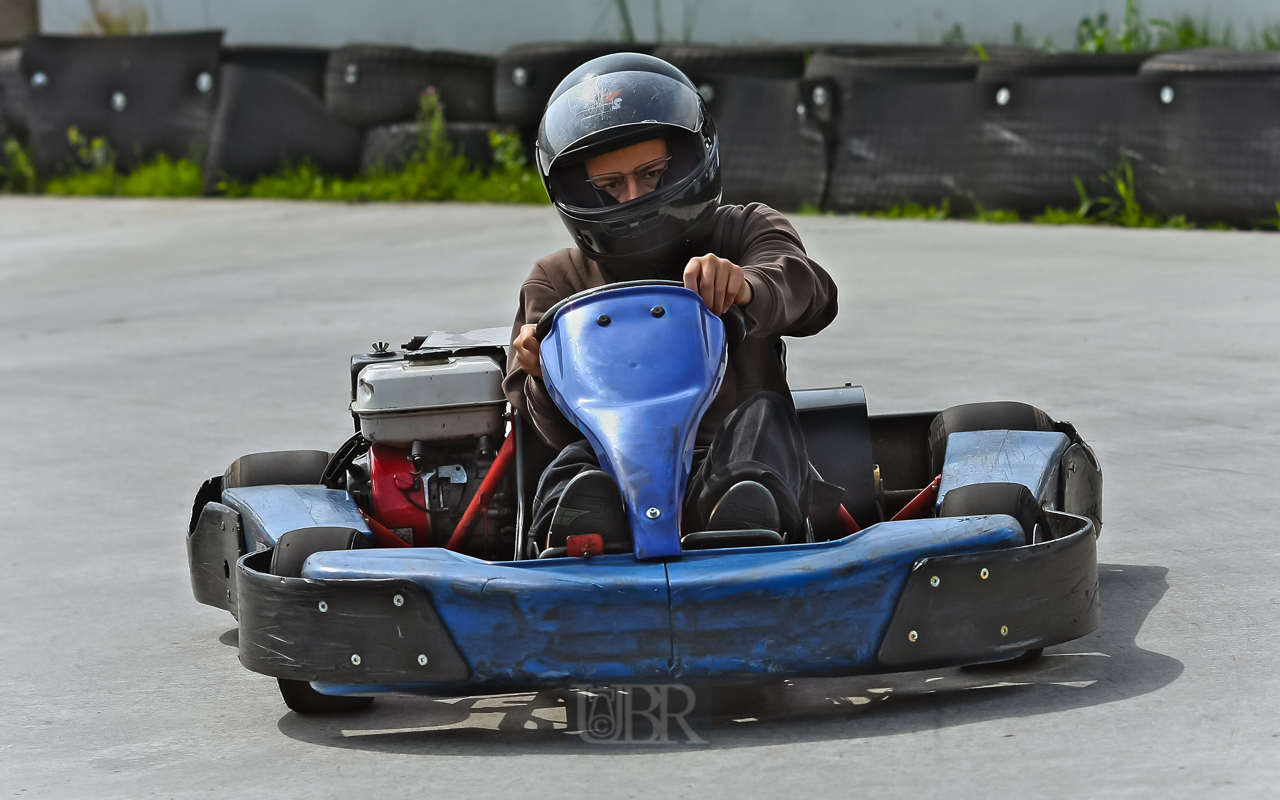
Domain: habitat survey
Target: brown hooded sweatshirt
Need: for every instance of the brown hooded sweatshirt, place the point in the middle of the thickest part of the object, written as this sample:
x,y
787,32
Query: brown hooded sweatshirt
x,y
791,296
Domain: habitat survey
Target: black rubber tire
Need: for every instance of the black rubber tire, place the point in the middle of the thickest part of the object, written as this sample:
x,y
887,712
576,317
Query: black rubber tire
x,y
266,121
369,85
1212,111
772,149
525,76
997,416
288,467
302,699
980,499
1211,62
298,695
306,65
1028,657
699,61
391,145
143,94
1061,65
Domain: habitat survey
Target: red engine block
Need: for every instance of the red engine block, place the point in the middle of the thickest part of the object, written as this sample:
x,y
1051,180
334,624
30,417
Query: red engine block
x,y
399,497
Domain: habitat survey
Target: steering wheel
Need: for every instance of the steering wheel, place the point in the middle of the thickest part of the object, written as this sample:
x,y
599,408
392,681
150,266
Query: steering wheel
x,y
735,320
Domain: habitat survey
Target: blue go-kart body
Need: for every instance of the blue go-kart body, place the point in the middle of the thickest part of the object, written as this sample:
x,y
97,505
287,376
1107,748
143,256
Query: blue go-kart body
x,y
635,367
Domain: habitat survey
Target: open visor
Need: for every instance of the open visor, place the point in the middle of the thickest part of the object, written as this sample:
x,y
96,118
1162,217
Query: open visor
x,y
610,101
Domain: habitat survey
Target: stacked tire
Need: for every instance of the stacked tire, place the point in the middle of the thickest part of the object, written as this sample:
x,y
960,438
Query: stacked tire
x,y
1217,154
145,95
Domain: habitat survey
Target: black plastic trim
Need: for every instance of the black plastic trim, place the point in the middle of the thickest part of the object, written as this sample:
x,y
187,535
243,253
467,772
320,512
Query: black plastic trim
x,y
214,545
284,634
1031,597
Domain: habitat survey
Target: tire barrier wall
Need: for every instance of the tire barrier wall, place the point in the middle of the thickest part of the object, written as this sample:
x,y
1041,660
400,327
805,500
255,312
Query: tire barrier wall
x,y
389,146
143,94
527,74
266,120
1216,114
774,138
370,85
306,65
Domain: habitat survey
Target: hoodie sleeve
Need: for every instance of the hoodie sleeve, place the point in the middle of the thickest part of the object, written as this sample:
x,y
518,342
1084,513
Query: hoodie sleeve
x,y
791,294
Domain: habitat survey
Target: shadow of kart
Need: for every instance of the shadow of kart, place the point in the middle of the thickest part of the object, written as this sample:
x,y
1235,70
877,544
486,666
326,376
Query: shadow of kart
x,y
1104,667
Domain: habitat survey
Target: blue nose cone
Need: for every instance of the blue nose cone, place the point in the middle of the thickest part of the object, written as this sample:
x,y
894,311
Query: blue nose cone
x,y
635,368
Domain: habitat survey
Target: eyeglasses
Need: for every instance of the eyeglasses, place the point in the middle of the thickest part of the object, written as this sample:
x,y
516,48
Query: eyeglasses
x,y
647,176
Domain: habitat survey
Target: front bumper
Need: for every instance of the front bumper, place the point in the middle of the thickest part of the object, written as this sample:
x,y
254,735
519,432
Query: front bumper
x,y
463,626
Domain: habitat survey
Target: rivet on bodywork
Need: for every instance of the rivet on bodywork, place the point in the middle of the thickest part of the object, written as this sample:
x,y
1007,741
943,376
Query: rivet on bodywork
x,y
323,606
653,513
819,95
1004,630
1166,95
519,76
984,573
934,581
118,101
1002,97
398,600
422,660
603,320
657,311
911,637
351,74
355,659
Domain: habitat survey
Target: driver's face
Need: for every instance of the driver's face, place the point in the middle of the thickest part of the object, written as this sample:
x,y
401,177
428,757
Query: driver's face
x,y
629,172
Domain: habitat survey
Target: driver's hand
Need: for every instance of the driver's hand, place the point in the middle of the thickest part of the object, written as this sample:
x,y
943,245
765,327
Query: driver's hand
x,y
527,349
720,283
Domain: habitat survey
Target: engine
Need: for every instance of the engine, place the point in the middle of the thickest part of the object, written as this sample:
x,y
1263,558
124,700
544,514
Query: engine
x,y
431,419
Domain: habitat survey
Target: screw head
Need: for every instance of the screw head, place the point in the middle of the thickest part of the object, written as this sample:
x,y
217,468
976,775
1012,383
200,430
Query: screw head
x,y
323,606
934,581
1004,630
422,660
657,311
1002,96
119,101
355,659
1166,95
653,513
39,80
398,600
984,573
800,110
911,637
820,96
204,83
603,320
519,76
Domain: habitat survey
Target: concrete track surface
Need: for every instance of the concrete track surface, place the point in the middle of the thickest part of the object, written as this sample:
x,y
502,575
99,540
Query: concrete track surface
x,y
144,345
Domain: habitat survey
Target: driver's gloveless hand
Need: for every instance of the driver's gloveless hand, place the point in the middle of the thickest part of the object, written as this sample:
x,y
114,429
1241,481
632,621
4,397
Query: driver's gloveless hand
x,y
720,283
528,351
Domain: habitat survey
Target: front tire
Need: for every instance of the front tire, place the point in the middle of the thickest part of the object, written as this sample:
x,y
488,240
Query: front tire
x,y
301,698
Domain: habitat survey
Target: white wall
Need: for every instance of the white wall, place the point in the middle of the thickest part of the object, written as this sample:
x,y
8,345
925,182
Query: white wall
x,y
492,25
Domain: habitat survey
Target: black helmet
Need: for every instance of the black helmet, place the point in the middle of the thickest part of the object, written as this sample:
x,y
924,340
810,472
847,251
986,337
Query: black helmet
x,y
612,102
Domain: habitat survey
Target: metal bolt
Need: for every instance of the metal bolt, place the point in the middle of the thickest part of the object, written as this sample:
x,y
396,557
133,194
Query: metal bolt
x,y
39,79
323,606
657,311
398,600
800,109
603,320
911,637
355,659
422,660
1166,95
519,76
204,82
653,513
984,573
119,101
1002,96
1004,630
934,581
819,95
707,91
351,74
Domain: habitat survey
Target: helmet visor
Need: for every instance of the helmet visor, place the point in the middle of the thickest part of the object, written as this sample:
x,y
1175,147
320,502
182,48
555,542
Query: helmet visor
x,y
613,100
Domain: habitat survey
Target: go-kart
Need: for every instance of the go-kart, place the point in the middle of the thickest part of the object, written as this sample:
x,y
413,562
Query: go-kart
x,y
401,562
